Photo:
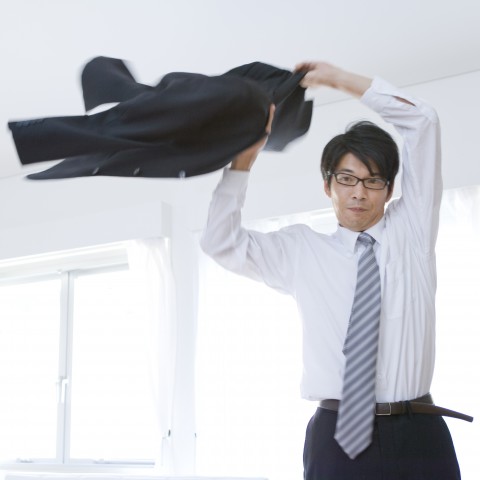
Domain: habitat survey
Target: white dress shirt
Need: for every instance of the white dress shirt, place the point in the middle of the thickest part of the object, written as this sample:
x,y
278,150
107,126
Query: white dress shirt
x,y
320,270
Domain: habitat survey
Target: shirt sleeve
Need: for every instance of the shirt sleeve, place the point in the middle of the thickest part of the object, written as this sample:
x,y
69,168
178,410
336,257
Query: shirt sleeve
x,y
421,185
267,257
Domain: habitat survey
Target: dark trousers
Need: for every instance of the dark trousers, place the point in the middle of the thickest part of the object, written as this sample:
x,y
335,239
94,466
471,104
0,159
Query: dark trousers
x,y
404,447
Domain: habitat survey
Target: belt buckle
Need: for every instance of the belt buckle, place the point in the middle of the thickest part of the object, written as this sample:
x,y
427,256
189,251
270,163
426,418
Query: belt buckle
x,y
381,414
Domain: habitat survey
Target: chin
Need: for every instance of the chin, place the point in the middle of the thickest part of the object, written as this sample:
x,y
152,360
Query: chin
x,y
354,226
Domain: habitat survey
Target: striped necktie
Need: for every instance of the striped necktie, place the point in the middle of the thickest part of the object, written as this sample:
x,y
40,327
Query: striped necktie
x,y
356,412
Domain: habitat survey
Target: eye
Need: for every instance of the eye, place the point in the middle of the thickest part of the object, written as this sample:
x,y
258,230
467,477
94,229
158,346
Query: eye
x,y
375,182
345,178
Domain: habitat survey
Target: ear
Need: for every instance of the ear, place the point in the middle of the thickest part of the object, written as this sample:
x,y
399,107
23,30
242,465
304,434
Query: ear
x,y
326,187
390,193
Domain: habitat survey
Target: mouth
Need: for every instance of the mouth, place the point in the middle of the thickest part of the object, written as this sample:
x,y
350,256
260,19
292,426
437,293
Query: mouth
x,y
357,209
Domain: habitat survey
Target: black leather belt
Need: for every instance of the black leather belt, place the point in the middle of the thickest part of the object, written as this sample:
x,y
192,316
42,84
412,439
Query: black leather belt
x,y
422,404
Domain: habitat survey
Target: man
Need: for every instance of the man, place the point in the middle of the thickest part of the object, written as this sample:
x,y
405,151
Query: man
x,y
368,346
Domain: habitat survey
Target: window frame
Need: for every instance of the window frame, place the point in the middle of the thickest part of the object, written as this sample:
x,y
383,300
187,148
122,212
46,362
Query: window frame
x,y
67,265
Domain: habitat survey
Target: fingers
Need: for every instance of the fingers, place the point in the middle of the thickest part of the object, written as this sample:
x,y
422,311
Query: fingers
x,y
313,73
306,81
271,114
305,66
318,74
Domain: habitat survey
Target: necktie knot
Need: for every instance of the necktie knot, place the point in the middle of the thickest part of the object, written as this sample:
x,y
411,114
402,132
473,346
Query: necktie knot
x,y
366,239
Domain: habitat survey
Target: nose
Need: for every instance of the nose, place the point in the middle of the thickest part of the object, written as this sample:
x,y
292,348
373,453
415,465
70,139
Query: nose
x,y
359,191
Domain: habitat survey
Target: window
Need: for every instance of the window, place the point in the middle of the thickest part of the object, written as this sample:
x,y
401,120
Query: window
x,y
74,384
251,420
455,384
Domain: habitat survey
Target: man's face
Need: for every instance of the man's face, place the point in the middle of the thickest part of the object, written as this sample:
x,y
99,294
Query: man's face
x,y
357,208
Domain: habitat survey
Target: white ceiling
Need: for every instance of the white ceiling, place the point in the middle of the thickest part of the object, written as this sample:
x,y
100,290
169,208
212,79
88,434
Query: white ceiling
x,y
44,43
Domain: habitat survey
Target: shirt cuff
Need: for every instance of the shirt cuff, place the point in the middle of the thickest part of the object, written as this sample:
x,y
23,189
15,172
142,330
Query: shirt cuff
x,y
381,96
381,93
233,181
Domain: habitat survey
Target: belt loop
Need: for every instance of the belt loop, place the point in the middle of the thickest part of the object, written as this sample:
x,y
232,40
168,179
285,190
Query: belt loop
x,y
408,408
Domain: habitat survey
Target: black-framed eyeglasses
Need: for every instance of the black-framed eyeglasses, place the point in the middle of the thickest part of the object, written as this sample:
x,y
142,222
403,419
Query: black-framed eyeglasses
x,y
373,183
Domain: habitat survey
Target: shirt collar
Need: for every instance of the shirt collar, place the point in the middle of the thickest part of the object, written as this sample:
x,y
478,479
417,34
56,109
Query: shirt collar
x,y
349,238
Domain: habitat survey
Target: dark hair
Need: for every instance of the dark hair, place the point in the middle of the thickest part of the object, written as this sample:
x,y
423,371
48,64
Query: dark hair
x,y
373,146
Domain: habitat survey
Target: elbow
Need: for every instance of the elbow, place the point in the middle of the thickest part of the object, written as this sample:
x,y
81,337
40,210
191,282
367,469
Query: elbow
x,y
213,246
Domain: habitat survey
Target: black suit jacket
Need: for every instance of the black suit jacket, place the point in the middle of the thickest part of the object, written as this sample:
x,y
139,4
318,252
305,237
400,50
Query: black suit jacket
x,y
188,124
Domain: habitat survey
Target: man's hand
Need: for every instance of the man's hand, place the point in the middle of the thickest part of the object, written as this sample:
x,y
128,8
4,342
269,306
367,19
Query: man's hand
x,y
318,74
325,74
244,160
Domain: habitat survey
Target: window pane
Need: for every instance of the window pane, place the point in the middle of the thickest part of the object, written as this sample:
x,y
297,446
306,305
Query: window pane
x,y
250,418
455,383
29,349
112,410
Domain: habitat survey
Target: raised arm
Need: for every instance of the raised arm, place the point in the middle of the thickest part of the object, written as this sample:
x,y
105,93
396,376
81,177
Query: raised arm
x,y
421,180
324,74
